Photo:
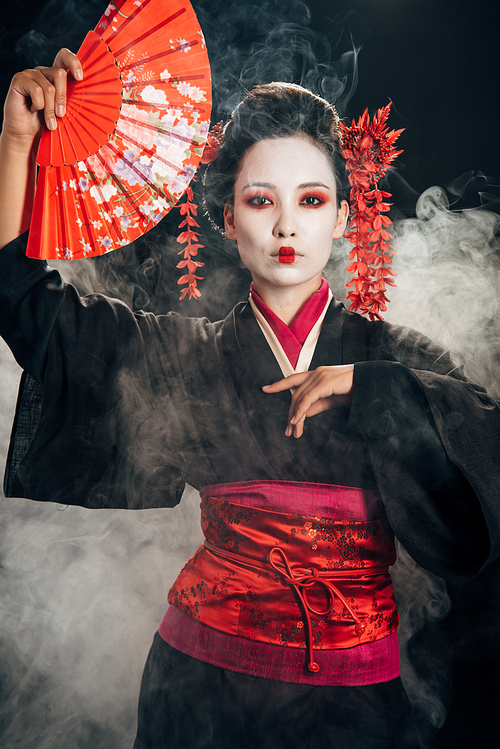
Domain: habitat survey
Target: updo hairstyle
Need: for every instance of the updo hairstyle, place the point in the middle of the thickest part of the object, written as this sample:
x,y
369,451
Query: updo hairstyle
x,y
272,110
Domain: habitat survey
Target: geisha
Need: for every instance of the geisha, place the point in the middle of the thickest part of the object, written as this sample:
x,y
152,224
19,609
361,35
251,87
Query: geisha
x,y
313,435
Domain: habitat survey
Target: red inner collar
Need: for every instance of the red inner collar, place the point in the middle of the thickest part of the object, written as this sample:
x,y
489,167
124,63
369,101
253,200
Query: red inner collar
x,y
293,336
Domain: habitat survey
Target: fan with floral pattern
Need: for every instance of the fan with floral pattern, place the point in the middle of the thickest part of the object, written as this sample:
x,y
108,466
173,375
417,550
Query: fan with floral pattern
x,y
133,134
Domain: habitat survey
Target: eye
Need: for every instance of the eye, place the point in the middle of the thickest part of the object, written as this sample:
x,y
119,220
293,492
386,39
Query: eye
x,y
259,201
312,200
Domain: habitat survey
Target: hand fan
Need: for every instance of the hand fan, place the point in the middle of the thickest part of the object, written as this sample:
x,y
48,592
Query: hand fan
x,y
133,134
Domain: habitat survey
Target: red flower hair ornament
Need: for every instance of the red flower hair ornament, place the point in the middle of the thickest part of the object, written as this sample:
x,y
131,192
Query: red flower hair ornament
x,y
189,209
368,147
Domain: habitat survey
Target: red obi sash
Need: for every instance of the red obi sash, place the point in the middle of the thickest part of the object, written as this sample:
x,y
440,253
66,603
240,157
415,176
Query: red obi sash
x,y
288,579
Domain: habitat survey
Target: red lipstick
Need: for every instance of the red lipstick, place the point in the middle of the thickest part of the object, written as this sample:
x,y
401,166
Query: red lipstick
x,y
286,255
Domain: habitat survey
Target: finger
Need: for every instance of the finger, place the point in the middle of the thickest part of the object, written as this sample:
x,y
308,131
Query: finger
x,y
294,380
299,408
298,429
302,400
59,78
64,63
323,404
43,97
68,61
318,387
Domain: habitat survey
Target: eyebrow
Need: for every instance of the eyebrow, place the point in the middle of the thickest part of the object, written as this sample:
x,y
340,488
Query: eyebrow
x,y
302,186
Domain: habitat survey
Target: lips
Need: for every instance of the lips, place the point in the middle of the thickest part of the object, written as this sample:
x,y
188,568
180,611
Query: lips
x,y
286,255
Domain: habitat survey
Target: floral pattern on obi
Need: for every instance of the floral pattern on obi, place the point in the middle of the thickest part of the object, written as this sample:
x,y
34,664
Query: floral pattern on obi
x,y
257,567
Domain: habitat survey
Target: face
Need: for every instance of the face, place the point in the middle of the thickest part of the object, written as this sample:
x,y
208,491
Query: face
x,y
285,213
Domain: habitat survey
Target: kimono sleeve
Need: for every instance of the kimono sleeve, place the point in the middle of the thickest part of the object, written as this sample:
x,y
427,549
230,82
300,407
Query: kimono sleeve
x,y
96,373
434,442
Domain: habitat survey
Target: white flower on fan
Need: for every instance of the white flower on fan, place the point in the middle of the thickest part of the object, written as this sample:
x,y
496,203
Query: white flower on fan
x,y
106,243
184,45
197,94
130,77
167,120
96,224
103,193
146,209
153,95
176,112
183,88
176,185
159,204
188,172
64,253
118,211
161,170
203,131
97,168
124,222
86,247
72,184
184,129
192,92
164,75
129,171
83,184
138,130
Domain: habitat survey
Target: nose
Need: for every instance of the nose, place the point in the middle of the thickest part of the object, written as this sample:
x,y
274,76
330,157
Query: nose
x,y
285,225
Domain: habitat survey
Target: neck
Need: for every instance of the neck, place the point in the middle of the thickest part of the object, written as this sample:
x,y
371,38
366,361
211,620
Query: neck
x,y
286,301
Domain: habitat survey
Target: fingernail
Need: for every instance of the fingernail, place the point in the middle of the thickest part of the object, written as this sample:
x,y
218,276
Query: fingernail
x,y
60,110
293,420
265,386
78,75
288,431
52,124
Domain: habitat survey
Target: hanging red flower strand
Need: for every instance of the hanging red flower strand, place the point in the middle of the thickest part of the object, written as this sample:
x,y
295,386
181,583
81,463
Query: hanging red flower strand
x,y
368,148
189,209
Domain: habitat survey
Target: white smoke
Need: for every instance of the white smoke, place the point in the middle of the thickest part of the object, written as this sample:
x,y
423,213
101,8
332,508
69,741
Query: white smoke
x,y
81,595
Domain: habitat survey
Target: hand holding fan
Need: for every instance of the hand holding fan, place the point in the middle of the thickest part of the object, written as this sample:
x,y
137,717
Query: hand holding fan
x,y
133,134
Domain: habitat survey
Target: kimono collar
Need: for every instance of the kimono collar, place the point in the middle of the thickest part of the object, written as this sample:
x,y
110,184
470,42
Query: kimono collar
x,y
293,336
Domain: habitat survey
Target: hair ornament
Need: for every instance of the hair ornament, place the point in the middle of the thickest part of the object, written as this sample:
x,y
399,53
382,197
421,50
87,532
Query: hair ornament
x,y
368,147
214,143
189,209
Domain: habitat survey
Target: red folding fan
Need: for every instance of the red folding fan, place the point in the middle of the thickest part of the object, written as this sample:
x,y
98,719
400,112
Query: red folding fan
x,y
133,134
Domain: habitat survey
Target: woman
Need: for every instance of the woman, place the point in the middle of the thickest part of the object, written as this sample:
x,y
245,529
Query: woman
x,y
282,628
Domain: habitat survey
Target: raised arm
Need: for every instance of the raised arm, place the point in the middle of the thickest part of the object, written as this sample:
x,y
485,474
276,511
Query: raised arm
x,y
34,96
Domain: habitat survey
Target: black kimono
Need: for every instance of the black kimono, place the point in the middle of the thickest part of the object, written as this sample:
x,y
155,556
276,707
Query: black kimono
x,y
121,410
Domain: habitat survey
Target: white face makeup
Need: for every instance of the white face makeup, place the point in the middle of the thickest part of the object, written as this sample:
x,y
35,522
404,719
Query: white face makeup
x,y
285,214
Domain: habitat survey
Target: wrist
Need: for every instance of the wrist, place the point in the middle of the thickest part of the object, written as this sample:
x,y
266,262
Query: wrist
x,y
18,145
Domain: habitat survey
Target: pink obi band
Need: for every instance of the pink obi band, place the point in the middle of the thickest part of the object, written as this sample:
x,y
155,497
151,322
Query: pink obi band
x,y
287,566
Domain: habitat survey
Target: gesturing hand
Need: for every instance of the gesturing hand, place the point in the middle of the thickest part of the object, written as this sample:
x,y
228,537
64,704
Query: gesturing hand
x,y
317,391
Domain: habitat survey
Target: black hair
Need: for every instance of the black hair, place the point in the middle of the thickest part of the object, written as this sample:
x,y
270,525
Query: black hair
x,y
272,110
